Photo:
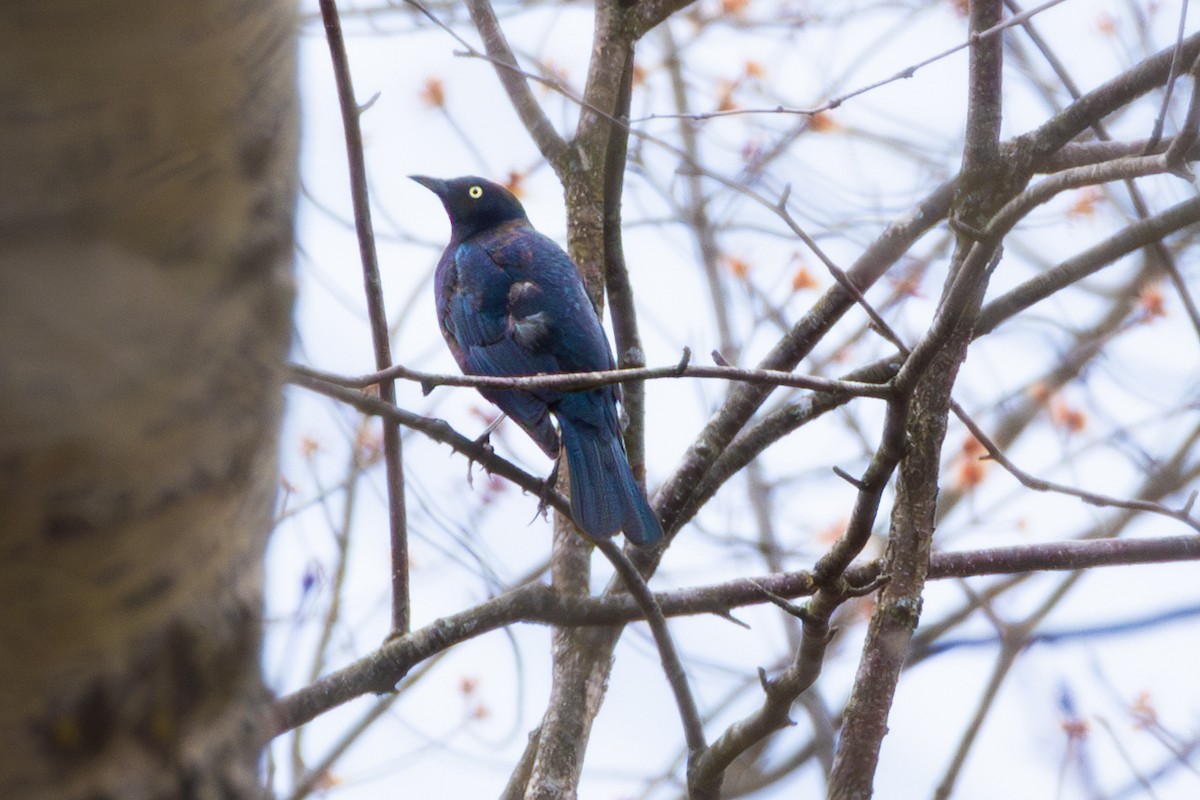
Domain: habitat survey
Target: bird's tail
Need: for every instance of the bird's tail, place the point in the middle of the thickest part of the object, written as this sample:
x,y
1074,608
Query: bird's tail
x,y
605,497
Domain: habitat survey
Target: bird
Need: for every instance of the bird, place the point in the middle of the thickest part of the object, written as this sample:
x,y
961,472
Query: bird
x,y
511,302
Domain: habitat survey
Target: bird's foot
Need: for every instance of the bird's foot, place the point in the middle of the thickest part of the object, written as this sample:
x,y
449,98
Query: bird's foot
x,y
548,488
484,441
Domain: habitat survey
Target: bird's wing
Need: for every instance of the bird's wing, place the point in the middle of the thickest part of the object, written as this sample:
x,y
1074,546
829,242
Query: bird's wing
x,y
473,309
478,316
549,313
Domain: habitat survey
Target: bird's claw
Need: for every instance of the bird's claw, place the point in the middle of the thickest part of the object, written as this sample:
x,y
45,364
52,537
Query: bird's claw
x,y
484,442
548,489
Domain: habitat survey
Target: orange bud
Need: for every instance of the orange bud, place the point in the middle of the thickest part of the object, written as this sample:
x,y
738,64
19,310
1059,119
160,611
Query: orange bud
x,y
803,279
515,183
830,533
969,473
1066,416
972,447
752,151
1150,299
737,266
1144,712
433,93
725,101
1038,392
908,284
843,353
326,780
368,443
1085,203
555,71
822,122
1075,728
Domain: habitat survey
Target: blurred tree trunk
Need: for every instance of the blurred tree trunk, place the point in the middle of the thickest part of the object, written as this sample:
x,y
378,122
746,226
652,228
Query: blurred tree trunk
x,y
149,154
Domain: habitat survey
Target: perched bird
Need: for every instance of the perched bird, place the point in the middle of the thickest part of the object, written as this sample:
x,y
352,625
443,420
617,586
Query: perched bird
x,y
510,302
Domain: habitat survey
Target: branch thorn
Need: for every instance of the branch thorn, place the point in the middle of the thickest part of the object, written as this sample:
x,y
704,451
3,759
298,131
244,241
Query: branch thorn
x,y
850,479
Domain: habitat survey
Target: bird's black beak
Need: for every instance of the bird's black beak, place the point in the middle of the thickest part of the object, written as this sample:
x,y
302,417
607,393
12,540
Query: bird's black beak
x,y
435,185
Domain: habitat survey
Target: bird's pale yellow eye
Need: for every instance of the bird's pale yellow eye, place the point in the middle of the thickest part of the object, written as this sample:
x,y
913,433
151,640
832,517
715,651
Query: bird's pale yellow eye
x,y
475,192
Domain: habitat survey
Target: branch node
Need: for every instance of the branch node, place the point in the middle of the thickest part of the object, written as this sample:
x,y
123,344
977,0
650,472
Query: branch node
x,y
850,479
729,617
799,612
964,228
365,107
719,359
871,586
1182,170
684,360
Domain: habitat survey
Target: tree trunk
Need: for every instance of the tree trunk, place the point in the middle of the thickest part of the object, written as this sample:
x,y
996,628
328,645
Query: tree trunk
x,y
149,154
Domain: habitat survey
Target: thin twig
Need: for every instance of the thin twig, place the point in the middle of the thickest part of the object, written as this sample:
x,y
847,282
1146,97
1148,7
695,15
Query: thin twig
x,y
904,74
1176,69
513,79
376,311
439,431
617,285
779,693
1091,498
693,729
578,381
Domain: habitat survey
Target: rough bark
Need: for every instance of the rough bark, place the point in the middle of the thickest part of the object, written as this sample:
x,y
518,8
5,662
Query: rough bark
x,y
149,156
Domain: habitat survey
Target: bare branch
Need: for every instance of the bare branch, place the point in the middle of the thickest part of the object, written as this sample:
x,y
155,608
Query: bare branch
x,y
536,603
743,401
693,729
552,146
1092,498
578,381
1043,142
653,10
929,372
779,694
1077,267
438,430
376,312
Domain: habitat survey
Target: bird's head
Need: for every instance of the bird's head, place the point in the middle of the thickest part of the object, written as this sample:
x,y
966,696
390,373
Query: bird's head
x,y
473,204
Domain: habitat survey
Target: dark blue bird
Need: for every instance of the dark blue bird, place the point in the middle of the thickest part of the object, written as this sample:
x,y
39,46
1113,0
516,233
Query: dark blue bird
x,y
510,302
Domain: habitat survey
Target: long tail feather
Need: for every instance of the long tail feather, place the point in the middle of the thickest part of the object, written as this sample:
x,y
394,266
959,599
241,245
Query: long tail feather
x,y
605,497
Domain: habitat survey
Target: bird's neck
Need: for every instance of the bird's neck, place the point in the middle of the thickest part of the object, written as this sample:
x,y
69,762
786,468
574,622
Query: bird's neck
x,y
464,231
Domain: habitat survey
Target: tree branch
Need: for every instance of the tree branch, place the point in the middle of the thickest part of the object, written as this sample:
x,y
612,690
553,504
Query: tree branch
x,y
540,604
376,311
438,430
929,371
552,146
578,381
